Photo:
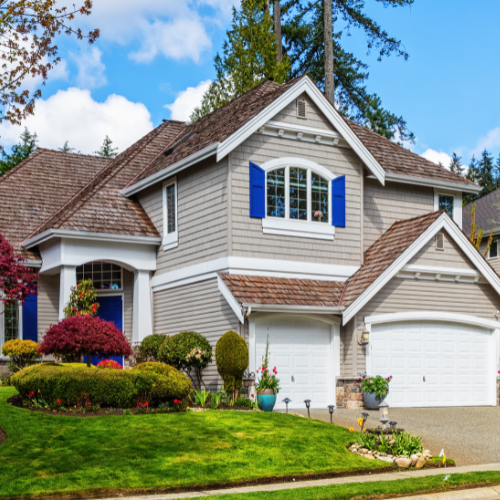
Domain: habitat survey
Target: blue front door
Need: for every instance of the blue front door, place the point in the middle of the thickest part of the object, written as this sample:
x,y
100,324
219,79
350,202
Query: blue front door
x,y
110,309
30,318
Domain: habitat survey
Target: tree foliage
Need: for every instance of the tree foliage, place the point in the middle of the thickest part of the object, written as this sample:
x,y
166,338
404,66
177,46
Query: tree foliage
x,y
83,300
16,280
19,152
66,148
22,353
150,347
249,56
28,29
107,150
476,235
85,335
485,172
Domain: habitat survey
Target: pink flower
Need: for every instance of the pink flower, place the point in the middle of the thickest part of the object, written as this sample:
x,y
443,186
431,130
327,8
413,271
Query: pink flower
x,y
251,395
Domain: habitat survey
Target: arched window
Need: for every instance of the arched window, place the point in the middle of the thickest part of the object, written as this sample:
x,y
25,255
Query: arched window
x,y
297,193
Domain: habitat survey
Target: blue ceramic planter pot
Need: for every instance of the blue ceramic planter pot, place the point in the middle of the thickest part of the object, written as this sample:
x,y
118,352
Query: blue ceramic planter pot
x,y
266,400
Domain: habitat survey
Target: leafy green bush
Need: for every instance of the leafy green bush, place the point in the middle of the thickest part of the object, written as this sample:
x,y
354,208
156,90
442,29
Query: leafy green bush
x,y
187,351
397,443
231,356
22,353
150,347
168,382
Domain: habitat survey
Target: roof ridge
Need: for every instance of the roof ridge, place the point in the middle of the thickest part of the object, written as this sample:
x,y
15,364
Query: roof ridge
x,y
106,172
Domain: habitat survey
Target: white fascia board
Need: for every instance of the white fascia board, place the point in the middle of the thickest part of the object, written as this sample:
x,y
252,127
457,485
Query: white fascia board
x,y
443,222
173,169
297,127
432,316
305,85
233,303
89,236
455,271
434,183
289,308
31,263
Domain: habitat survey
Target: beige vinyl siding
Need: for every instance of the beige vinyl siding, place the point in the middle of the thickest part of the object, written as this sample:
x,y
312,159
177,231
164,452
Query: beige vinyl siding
x,y
248,239
406,295
199,307
201,219
315,117
48,303
451,256
384,205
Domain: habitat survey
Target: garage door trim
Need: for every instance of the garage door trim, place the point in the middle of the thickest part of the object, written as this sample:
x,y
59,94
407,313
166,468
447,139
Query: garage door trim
x,y
444,317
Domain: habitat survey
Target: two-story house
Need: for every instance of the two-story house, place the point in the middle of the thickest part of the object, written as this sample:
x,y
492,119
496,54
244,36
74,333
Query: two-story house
x,y
277,218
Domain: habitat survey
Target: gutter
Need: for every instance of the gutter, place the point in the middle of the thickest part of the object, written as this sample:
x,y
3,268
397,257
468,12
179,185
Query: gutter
x,y
248,308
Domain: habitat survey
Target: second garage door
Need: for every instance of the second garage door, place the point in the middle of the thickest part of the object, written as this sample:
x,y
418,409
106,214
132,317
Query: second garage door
x,y
300,348
434,363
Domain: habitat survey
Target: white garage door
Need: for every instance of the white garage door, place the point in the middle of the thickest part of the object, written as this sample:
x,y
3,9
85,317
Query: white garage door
x,y
300,349
434,364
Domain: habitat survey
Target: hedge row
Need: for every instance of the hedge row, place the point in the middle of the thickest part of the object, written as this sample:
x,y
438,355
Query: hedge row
x,y
106,387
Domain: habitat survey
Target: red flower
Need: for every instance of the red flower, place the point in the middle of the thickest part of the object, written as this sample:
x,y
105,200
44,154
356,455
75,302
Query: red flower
x,y
58,401
146,404
88,403
140,404
177,401
31,394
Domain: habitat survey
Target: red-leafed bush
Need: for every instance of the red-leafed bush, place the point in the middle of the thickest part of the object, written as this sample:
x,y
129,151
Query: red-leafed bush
x,y
109,363
81,335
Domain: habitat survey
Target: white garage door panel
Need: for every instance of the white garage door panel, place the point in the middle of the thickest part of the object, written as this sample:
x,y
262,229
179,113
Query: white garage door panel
x,y
300,348
434,364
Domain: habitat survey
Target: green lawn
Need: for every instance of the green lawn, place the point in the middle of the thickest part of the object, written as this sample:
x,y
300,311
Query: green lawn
x,y
47,454
377,490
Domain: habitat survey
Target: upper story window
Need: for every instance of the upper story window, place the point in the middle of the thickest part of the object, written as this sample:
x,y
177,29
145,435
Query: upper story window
x,y
450,202
493,252
446,203
104,275
170,232
298,194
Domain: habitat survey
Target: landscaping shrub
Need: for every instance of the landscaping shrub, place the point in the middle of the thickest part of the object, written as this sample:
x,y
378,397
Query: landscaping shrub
x,y
397,443
168,382
150,347
85,334
22,353
83,300
187,351
231,356
109,363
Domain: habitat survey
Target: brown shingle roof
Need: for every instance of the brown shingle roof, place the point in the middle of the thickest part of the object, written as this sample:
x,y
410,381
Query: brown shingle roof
x,y
37,187
487,213
100,206
283,291
398,160
384,252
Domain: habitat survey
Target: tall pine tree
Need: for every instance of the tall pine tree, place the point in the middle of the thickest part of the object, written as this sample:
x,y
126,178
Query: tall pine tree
x,y
19,152
456,165
249,56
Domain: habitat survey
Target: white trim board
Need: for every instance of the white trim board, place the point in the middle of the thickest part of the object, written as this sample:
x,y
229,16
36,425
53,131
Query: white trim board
x,y
233,303
290,308
443,222
251,267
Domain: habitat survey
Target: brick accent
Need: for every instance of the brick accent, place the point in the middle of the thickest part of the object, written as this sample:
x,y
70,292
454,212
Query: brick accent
x,y
349,395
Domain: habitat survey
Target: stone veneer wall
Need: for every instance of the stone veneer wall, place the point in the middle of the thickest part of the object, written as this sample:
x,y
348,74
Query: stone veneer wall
x,y
349,395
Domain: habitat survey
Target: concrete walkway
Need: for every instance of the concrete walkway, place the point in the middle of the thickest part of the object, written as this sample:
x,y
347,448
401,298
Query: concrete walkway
x,y
490,493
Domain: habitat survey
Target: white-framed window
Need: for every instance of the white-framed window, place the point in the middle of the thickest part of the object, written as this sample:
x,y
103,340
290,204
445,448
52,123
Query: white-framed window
x,y
298,199
447,203
493,251
104,275
450,202
10,323
170,230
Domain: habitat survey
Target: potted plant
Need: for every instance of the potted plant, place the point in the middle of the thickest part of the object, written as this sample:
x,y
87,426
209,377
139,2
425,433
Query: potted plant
x,y
268,386
375,390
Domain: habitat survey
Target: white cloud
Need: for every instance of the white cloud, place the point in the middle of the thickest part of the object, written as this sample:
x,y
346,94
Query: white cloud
x,y
72,115
490,141
437,157
187,100
90,68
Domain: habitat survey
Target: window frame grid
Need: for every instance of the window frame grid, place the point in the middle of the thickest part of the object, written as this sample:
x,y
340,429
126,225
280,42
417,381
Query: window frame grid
x,y
171,240
101,290
489,251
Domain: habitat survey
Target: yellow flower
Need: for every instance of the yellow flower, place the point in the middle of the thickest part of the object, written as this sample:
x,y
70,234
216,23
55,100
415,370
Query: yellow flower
x,y
360,422
351,430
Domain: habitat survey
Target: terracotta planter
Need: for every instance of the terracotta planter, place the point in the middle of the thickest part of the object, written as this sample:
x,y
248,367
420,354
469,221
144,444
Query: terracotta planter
x,y
266,399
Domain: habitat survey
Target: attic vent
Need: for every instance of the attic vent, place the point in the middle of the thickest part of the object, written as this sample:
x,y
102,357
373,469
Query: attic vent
x,y
301,109
439,241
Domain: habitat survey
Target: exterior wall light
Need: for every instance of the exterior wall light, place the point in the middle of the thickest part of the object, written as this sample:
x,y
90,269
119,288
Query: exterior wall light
x,y
308,405
383,409
330,409
365,337
286,401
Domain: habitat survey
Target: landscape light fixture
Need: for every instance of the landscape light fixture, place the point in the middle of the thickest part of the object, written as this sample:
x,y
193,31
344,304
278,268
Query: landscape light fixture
x,y
286,401
365,417
393,424
223,400
330,409
383,409
308,405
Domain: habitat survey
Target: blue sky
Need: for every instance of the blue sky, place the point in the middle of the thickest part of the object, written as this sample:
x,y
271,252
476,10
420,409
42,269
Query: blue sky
x,y
155,57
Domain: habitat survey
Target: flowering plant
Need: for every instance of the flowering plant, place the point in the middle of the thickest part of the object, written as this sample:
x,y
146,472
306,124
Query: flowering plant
x,y
378,385
83,300
109,363
22,353
267,380
195,355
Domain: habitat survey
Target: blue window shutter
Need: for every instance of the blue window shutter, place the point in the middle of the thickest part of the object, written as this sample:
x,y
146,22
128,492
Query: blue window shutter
x,y
30,318
338,201
257,192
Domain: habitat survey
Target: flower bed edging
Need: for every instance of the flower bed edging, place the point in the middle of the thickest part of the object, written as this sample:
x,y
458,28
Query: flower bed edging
x,y
417,460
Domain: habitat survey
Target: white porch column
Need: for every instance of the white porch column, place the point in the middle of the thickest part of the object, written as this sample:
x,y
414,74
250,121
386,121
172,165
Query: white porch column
x,y
143,311
68,279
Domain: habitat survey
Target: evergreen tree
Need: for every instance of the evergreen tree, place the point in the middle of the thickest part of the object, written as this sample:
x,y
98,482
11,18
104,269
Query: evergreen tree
x,y
249,56
19,152
472,175
486,174
107,151
66,148
456,165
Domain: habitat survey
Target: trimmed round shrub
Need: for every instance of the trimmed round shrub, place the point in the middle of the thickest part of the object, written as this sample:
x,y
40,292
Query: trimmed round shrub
x,y
187,351
22,353
169,382
150,347
231,356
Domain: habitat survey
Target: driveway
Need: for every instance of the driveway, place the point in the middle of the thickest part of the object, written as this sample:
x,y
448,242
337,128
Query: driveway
x,y
468,435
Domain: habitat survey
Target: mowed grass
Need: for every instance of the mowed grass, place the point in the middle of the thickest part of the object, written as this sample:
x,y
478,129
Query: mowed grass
x,y
47,454
378,490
